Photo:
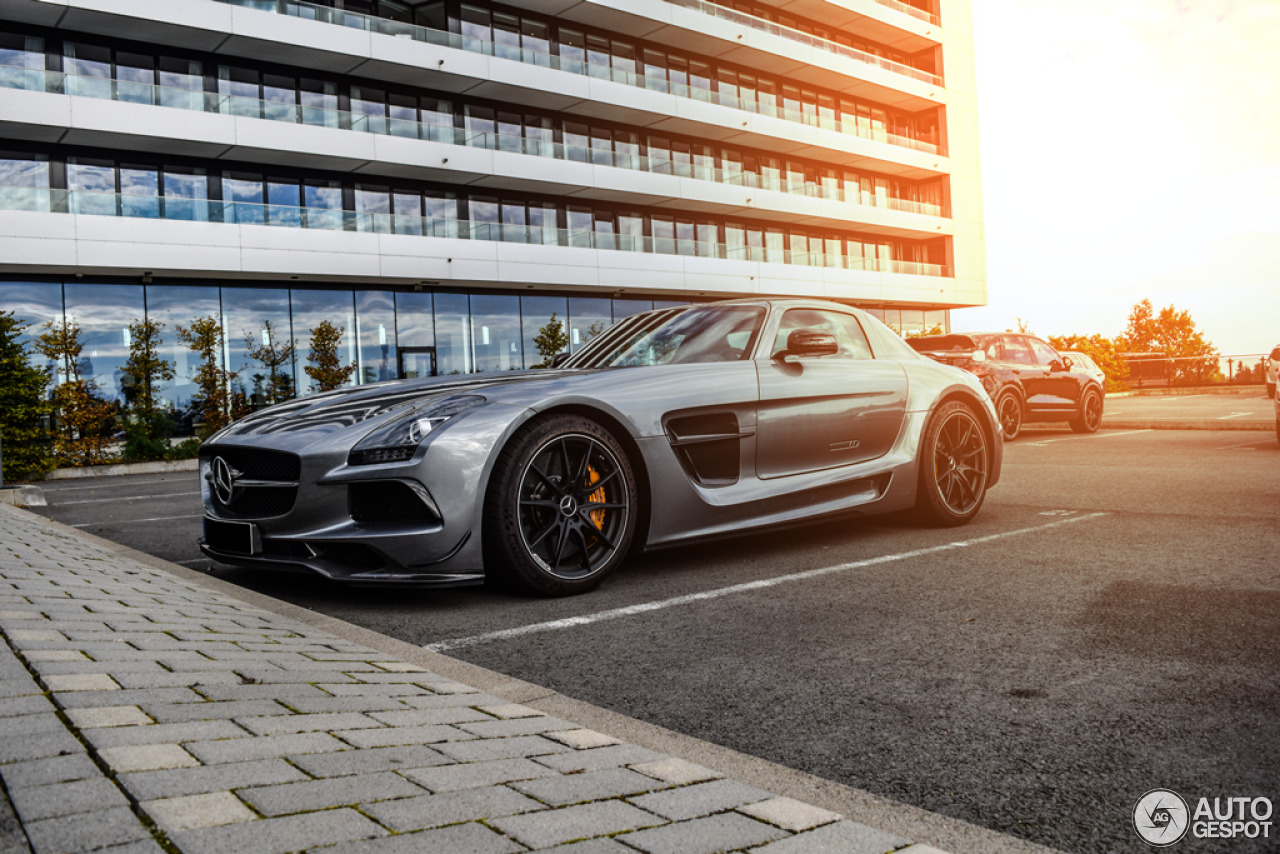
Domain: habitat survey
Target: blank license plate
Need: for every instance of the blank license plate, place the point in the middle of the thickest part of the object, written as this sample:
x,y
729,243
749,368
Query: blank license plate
x,y
237,538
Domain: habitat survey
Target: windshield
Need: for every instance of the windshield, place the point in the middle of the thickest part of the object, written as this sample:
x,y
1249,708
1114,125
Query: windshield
x,y
710,334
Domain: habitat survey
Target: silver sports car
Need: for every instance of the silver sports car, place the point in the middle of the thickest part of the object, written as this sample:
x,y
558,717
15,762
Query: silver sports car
x,y
671,426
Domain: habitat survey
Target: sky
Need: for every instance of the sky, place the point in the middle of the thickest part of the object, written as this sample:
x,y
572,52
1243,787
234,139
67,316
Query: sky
x,y
1130,150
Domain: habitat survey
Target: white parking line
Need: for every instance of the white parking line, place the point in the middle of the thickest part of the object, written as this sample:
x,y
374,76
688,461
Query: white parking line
x,y
125,498
1090,436
132,521
645,607
1233,415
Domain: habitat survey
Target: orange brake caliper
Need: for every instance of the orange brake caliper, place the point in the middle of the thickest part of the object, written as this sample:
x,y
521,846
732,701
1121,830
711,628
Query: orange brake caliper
x,y
597,497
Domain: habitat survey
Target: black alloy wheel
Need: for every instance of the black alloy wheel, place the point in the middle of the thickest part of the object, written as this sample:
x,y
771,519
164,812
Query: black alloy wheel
x,y
1009,408
560,512
954,466
1089,418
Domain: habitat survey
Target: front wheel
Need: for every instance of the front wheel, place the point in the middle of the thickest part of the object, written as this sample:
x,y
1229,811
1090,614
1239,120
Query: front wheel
x,y
954,467
561,508
1090,416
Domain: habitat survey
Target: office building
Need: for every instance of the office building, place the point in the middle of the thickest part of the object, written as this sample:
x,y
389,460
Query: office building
x,y
440,177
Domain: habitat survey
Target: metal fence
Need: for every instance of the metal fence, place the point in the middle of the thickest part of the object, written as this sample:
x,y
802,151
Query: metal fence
x,y
1156,370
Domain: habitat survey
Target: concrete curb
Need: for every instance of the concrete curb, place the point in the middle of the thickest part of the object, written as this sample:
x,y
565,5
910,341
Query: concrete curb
x,y
1259,390
1167,424
930,831
113,469
23,496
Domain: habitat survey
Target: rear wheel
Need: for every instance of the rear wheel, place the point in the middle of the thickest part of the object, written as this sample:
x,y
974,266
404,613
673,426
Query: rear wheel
x,y
954,466
1009,408
1090,416
560,511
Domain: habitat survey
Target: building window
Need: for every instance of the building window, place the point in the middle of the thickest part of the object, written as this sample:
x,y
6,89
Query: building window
x,y
103,313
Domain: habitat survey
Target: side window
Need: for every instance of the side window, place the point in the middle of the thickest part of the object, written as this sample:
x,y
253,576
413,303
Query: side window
x,y
1017,351
1044,353
845,327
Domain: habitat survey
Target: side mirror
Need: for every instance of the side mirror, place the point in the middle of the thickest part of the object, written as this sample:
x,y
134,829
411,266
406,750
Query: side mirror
x,y
559,359
804,343
1059,365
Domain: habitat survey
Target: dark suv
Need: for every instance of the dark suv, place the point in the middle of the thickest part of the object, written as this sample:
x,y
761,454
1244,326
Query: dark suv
x,y
1027,379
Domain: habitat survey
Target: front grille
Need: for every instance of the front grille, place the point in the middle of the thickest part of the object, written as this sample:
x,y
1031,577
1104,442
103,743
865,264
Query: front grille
x,y
256,464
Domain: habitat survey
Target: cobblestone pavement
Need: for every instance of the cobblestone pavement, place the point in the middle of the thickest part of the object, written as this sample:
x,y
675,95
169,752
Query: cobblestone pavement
x,y
141,712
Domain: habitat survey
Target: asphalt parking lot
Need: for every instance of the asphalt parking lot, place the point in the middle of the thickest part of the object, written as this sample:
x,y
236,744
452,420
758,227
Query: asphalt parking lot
x,y
1105,627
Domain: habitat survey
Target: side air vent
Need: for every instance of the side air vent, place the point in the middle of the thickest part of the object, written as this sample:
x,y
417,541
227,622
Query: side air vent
x,y
708,445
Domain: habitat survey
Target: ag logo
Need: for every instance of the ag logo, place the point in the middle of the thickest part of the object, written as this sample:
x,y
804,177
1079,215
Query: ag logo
x,y
1161,817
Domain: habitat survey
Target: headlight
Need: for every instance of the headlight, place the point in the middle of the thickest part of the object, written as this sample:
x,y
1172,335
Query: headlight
x,y
397,441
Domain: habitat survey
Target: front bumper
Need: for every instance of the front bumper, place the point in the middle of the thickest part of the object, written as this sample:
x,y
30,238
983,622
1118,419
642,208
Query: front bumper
x,y
415,522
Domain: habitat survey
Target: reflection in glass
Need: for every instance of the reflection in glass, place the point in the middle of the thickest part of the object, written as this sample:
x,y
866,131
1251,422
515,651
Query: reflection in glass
x,y
92,186
185,194
246,312
244,191
21,61
32,304
310,308
104,313
537,313
453,334
588,317
24,183
627,307
140,192
415,326
174,306
376,331
495,332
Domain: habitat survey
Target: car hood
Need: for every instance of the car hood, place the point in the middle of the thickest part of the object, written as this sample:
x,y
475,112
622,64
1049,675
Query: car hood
x,y
370,405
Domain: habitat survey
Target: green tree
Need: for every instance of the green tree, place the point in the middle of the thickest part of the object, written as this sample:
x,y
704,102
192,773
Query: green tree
x,y
551,340
1105,351
204,338
84,417
1172,333
144,372
326,369
273,355
24,439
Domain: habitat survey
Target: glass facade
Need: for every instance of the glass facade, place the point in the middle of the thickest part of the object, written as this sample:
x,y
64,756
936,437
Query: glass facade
x,y
88,70
465,332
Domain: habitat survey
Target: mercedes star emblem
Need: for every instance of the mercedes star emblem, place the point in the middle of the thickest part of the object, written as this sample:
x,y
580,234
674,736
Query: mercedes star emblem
x,y
223,477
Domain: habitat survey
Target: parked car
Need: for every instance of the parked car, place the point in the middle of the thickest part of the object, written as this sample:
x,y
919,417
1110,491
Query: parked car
x,y
1085,362
1271,368
1277,400
672,426
1027,379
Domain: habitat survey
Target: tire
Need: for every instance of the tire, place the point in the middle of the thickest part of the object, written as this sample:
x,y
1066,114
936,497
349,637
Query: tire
x,y
955,462
1009,408
1271,389
1089,418
1278,428
560,512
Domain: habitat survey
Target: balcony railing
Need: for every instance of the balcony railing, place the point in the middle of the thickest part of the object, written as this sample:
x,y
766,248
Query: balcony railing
x,y
89,203
808,40
908,9
282,111
529,56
